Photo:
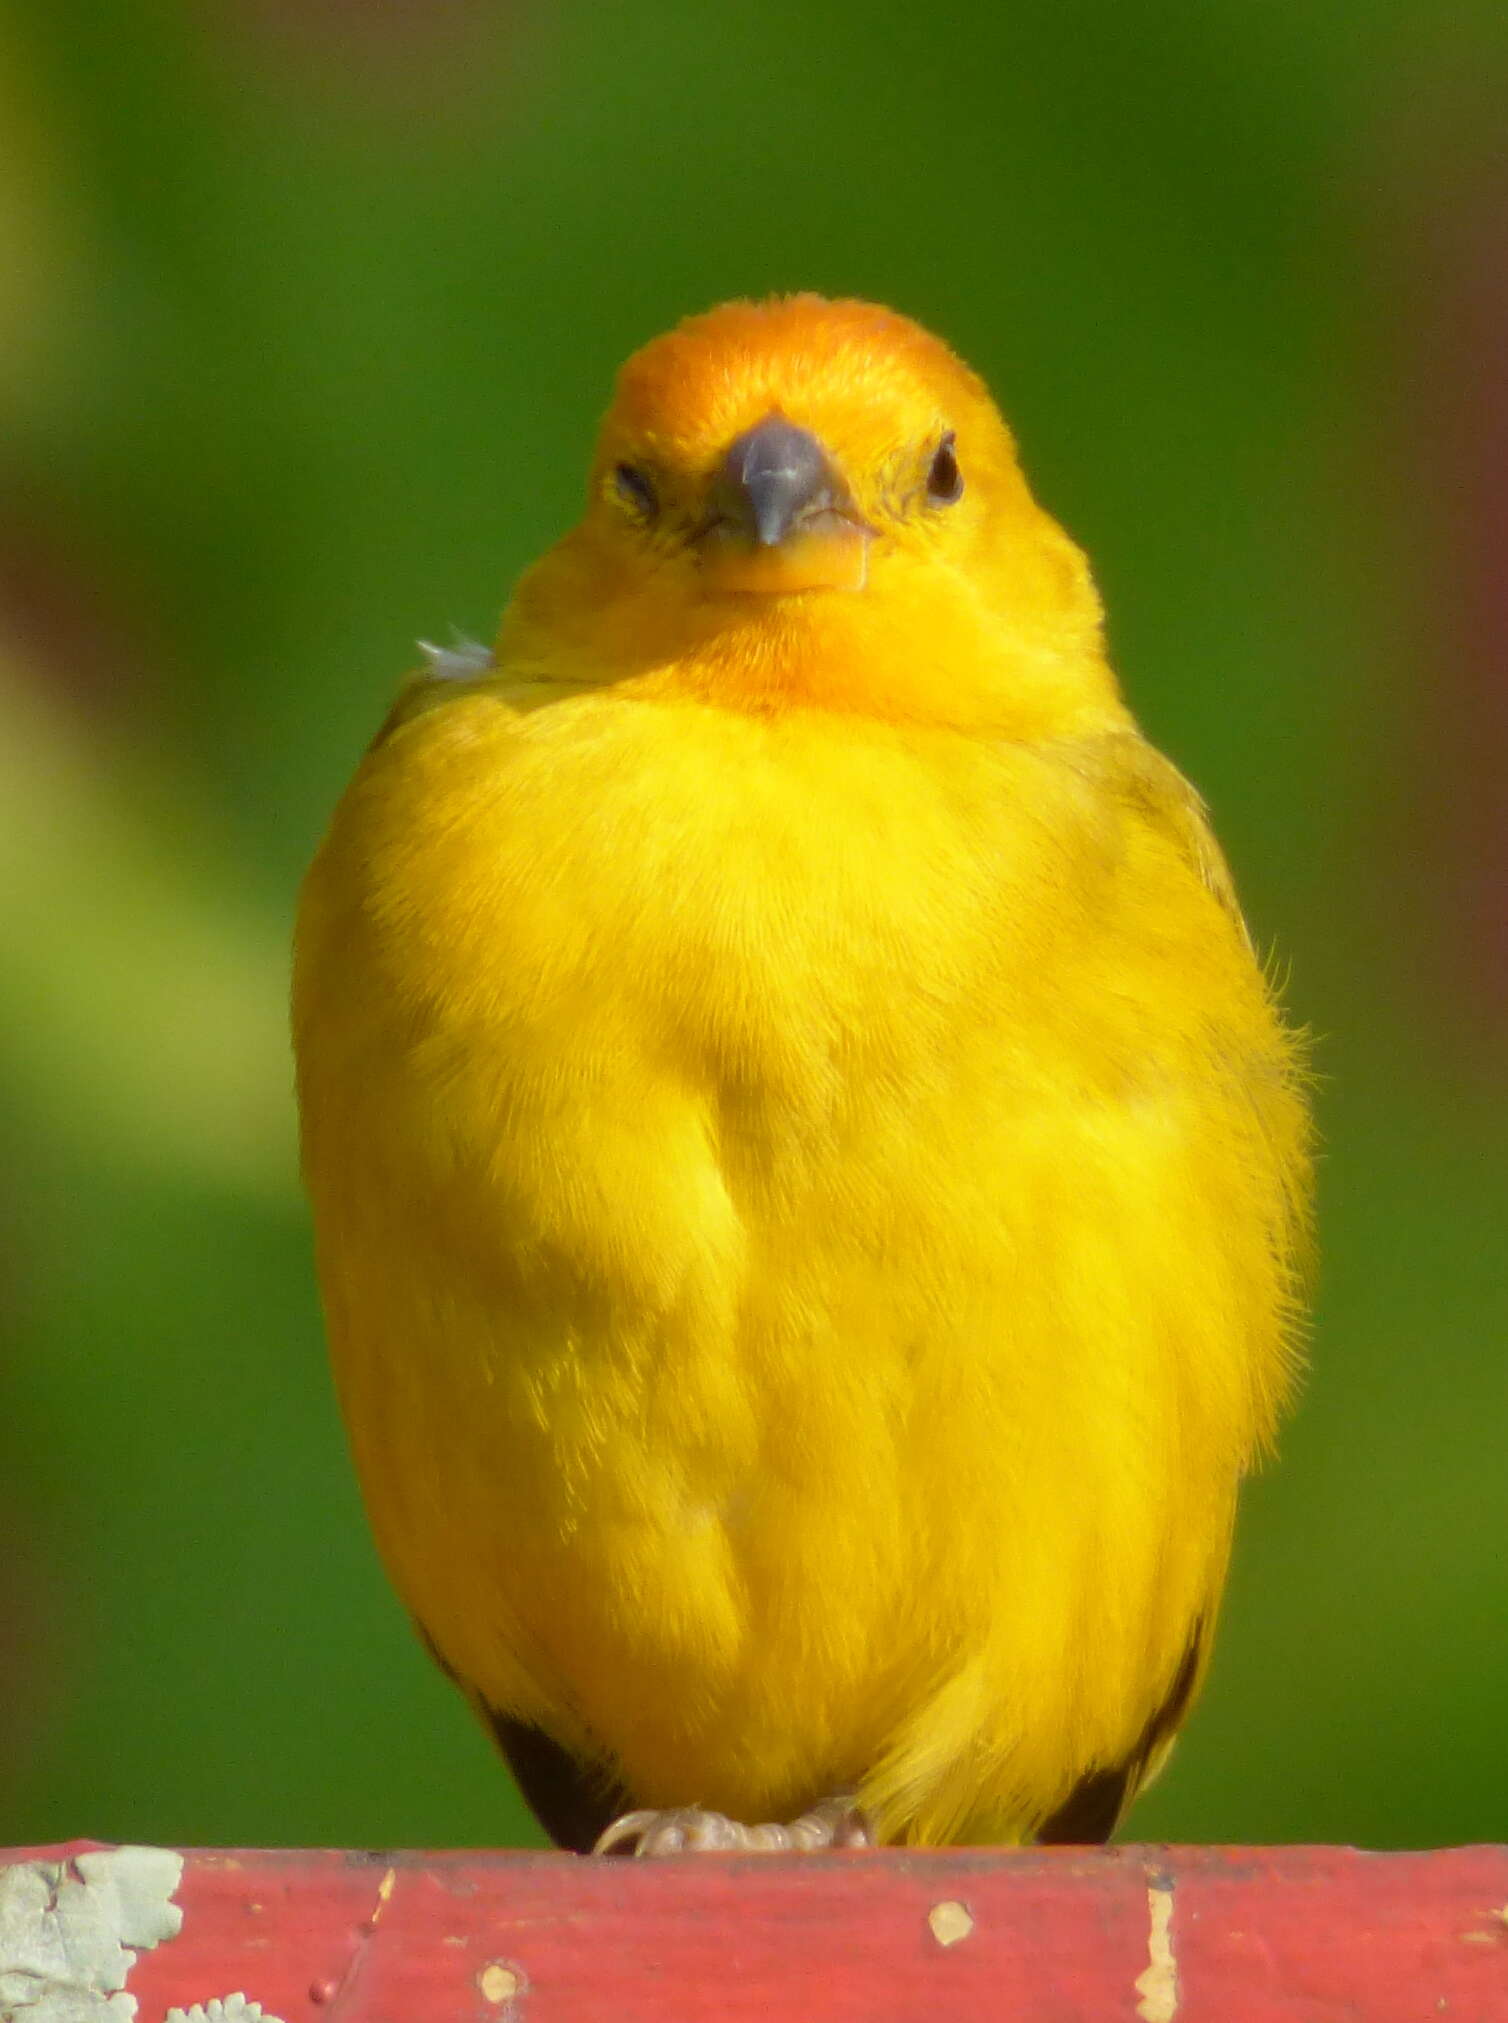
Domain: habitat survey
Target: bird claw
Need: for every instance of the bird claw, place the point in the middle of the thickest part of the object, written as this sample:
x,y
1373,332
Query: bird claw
x,y
688,1829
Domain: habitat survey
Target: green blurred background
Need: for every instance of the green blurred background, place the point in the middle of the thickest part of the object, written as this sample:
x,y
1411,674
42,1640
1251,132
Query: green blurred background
x,y
306,315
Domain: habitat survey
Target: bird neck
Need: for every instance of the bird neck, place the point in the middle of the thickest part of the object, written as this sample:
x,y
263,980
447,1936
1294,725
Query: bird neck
x,y
920,648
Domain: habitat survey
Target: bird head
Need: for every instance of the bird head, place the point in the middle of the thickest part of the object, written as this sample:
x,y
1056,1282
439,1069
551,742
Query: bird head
x,y
813,500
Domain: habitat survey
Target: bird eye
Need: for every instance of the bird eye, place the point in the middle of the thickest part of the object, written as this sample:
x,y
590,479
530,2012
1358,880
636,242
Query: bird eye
x,y
635,489
945,479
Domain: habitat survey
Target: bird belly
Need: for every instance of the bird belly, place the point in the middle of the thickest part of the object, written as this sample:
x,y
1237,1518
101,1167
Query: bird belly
x,y
772,1362
750,1541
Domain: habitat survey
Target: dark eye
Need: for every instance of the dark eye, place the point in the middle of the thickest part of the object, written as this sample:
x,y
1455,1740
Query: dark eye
x,y
635,489
945,479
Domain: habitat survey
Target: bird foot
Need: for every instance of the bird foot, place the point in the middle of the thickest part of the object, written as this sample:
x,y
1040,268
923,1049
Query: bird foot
x,y
836,1822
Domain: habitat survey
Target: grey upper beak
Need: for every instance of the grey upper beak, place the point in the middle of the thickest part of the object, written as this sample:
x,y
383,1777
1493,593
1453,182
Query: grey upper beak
x,y
774,475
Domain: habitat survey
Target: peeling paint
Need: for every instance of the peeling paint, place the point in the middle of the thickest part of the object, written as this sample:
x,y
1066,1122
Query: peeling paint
x,y
498,1981
70,1932
234,2009
384,1891
950,1921
1157,1983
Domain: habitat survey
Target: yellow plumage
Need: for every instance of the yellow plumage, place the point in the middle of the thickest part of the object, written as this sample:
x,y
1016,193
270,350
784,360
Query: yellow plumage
x,y
807,1172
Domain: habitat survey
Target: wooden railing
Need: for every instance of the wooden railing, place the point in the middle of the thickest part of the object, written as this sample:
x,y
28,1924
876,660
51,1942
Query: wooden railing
x,y
1146,1934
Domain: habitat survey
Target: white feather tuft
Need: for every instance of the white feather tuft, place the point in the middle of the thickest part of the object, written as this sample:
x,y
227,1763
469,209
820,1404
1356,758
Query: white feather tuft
x,y
463,660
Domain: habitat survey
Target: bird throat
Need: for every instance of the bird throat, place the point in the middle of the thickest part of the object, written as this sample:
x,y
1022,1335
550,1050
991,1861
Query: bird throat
x,y
831,553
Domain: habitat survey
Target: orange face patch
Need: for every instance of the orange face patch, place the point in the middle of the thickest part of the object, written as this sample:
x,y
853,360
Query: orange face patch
x,y
828,552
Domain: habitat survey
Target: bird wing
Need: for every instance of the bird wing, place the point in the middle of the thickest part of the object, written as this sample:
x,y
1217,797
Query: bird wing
x,y
1152,787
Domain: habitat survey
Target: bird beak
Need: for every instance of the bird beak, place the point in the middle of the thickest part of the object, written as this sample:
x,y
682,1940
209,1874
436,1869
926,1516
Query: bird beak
x,y
782,518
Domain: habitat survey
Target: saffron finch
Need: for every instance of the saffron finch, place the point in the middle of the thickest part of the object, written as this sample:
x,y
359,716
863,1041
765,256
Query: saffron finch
x,y
809,1179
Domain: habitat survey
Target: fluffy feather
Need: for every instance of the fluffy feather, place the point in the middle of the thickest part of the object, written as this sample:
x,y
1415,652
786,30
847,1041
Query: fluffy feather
x,y
809,1179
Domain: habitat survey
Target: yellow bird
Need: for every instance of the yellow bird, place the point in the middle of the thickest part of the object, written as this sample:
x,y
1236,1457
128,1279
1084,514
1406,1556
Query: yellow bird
x,y
810,1183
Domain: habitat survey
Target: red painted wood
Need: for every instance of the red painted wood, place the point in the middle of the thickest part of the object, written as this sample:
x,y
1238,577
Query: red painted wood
x,y
1256,1935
